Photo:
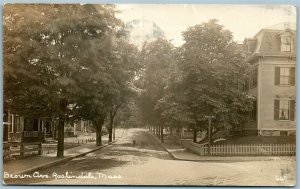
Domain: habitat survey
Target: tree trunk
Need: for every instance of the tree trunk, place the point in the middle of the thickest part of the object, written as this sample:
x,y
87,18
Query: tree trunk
x,y
111,124
171,131
161,133
158,130
195,135
98,135
60,138
98,125
61,128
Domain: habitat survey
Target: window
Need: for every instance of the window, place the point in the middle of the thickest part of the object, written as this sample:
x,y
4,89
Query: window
x,y
283,133
284,109
18,123
253,78
284,76
286,44
35,124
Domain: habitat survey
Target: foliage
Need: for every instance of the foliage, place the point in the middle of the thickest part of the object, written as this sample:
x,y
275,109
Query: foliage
x,y
51,52
75,53
156,59
211,67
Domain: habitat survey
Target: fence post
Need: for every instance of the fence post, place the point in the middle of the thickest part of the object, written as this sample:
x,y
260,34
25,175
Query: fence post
x,y
40,148
21,149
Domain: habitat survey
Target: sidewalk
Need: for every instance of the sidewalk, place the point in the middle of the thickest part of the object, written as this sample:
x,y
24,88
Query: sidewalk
x,y
33,163
178,152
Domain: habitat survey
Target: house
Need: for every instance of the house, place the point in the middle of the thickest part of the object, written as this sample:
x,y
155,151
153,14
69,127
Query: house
x,y
20,128
271,54
79,126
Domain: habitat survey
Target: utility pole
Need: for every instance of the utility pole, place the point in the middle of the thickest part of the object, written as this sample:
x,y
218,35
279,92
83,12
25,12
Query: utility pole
x,y
209,132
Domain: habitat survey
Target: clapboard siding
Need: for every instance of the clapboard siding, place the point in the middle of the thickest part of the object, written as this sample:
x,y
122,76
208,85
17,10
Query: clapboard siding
x,y
270,92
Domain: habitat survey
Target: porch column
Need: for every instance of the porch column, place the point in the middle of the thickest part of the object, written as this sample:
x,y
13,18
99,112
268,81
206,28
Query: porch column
x,y
74,126
43,126
12,123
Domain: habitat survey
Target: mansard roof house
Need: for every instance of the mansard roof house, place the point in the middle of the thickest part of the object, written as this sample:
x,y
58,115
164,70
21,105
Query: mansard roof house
x,y
271,54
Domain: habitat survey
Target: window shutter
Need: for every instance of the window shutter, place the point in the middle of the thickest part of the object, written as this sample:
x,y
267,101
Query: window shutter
x,y
276,109
277,75
292,76
292,110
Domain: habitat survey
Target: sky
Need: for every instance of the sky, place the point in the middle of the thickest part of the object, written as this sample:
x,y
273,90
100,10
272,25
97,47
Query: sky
x,y
243,21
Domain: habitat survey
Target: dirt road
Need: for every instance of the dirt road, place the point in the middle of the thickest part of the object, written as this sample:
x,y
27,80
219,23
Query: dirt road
x,y
146,163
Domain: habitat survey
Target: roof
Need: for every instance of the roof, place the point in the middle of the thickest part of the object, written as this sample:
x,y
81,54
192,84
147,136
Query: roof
x,y
255,56
283,26
267,41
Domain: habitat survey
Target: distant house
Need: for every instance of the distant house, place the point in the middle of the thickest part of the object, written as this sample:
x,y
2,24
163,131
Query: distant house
x,y
271,54
17,128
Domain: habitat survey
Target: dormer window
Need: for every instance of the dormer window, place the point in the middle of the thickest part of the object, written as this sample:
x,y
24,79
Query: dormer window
x,y
286,43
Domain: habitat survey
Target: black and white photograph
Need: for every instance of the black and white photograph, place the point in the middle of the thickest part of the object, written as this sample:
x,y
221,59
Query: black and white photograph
x,y
149,94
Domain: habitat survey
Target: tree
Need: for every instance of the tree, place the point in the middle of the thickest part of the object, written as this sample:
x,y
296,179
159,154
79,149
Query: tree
x,y
211,67
56,56
123,70
173,112
156,58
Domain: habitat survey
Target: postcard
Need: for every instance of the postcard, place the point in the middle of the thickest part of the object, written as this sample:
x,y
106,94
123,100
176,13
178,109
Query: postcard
x,y
149,94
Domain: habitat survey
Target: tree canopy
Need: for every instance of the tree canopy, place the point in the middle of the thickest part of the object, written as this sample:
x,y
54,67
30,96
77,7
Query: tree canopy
x,y
198,79
66,61
75,62
211,67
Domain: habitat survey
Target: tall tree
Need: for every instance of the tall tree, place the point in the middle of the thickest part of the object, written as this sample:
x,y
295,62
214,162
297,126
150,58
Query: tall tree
x,y
52,53
211,67
123,70
156,58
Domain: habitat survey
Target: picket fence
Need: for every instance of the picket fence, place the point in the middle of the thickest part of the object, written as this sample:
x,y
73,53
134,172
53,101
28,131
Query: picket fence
x,y
242,149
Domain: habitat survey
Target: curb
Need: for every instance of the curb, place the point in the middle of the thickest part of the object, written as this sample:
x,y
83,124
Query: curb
x,y
157,140
64,159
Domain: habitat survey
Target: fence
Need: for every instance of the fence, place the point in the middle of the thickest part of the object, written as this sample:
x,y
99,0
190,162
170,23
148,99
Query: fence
x,y
52,147
21,148
241,149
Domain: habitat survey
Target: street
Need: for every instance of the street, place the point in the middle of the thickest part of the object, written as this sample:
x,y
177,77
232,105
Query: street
x,y
147,163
